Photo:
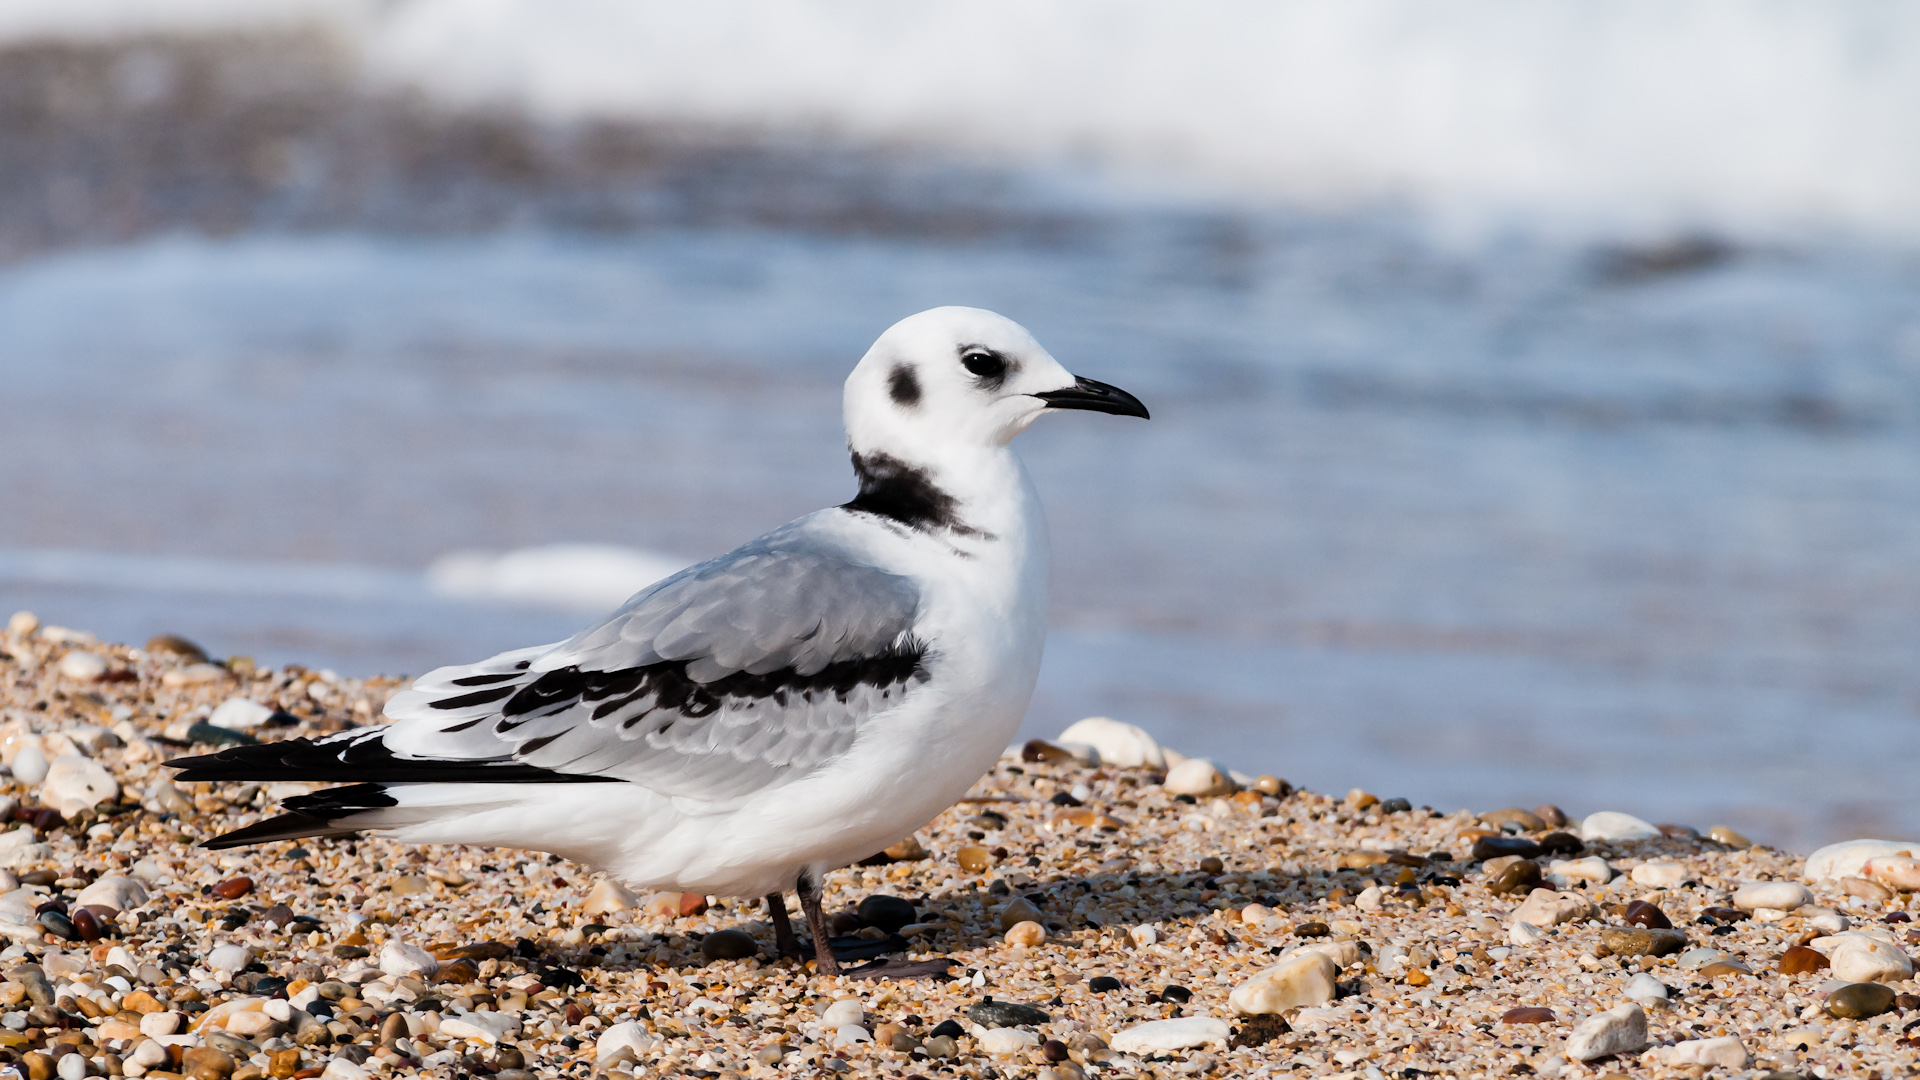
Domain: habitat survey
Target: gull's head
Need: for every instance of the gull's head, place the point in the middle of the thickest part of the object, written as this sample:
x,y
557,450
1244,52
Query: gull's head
x,y
962,377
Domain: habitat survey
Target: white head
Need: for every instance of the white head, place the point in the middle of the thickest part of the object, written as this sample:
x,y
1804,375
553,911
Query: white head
x,y
958,378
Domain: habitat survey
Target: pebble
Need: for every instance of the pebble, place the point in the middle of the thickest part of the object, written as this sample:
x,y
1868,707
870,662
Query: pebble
x,y
1701,957
1528,1015
1159,1036
1200,778
1614,825
1858,1000
1006,1041
74,783
1858,957
889,913
1866,889
1493,847
229,958
1307,979
1026,934
1144,936
1724,835
1782,895
1619,1030
1118,744
1800,960
175,645
239,714
399,958
1544,907
998,1014
1519,876
22,623
1639,941
1724,1052
1524,933
1272,785
609,896
205,1063
1018,910
1726,967
1646,991
1526,819
1848,858
974,859
1901,872
728,945
159,1024
1593,869
82,666
29,765
1659,875
233,888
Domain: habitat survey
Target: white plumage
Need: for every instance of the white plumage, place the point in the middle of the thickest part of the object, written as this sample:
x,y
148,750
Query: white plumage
x,y
750,723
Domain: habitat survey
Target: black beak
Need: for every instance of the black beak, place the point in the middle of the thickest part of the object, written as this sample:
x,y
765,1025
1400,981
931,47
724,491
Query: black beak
x,y
1094,397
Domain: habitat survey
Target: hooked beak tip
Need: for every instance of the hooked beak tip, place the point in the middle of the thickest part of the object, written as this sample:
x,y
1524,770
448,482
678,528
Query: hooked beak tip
x,y
1092,395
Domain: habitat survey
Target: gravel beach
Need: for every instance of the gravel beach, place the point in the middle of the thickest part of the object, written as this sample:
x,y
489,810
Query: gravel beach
x,y
1165,918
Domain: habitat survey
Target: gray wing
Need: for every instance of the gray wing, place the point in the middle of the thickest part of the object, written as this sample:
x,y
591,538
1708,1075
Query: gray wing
x,y
737,674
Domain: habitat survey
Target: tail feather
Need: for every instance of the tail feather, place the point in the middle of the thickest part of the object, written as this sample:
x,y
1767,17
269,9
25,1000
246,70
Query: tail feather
x,y
328,813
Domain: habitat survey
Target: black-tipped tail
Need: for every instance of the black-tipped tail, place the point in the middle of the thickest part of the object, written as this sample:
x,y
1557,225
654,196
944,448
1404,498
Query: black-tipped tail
x,y
324,813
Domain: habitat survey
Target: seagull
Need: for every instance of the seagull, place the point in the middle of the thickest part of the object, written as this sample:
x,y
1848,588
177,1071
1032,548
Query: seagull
x,y
748,724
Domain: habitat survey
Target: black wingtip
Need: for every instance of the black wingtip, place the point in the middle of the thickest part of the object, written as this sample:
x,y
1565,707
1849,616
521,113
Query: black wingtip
x,y
294,826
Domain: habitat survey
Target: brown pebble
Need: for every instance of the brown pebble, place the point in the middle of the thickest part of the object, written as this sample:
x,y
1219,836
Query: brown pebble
x,y
88,925
233,888
1026,934
1311,929
485,950
175,645
1642,913
393,1029
206,1063
1522,877
1054,1050
456,971
1622,941
1551,814
1725,967
39,1066
1724,914
1799,960
1528,1014
1042,750
284,1063
974,859
728,945
1212,865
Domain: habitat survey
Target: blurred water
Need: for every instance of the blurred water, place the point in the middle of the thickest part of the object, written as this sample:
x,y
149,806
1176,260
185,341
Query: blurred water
x,y
1476,524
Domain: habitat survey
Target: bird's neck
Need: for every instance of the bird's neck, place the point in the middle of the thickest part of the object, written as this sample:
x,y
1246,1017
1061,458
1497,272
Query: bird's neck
x,y
979,493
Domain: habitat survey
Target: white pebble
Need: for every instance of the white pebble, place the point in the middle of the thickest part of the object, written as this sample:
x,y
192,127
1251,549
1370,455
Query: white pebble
x,y
1004,1041
73,1067
1198,777
82,666
1144,935
1781,895
627,1034
1178,1034
849,1034
1306,979
843,1012
1848,858
1371,898
1620,1030
30,764
1524,933
229,958
1646,990
399,958
239,714
74,783
116,891
1726,1052
159,1024
23,623
1593,868
1120,745
1659,875
1614,825
149,1053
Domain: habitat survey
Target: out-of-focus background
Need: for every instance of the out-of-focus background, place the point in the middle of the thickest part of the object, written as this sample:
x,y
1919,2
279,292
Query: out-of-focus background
x,y
1536,383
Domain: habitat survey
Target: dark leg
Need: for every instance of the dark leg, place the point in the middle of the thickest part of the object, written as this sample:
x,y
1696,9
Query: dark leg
x,y
817,926
783,941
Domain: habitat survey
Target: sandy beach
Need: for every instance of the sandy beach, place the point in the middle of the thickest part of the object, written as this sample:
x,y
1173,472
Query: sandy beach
x,y
1166,919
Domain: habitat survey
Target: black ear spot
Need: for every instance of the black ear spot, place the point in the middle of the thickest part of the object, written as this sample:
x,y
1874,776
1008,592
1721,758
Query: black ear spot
x,y
984,364
903,386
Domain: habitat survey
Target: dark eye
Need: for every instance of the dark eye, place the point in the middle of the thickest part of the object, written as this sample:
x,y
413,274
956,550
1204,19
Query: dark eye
x,y
985,363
